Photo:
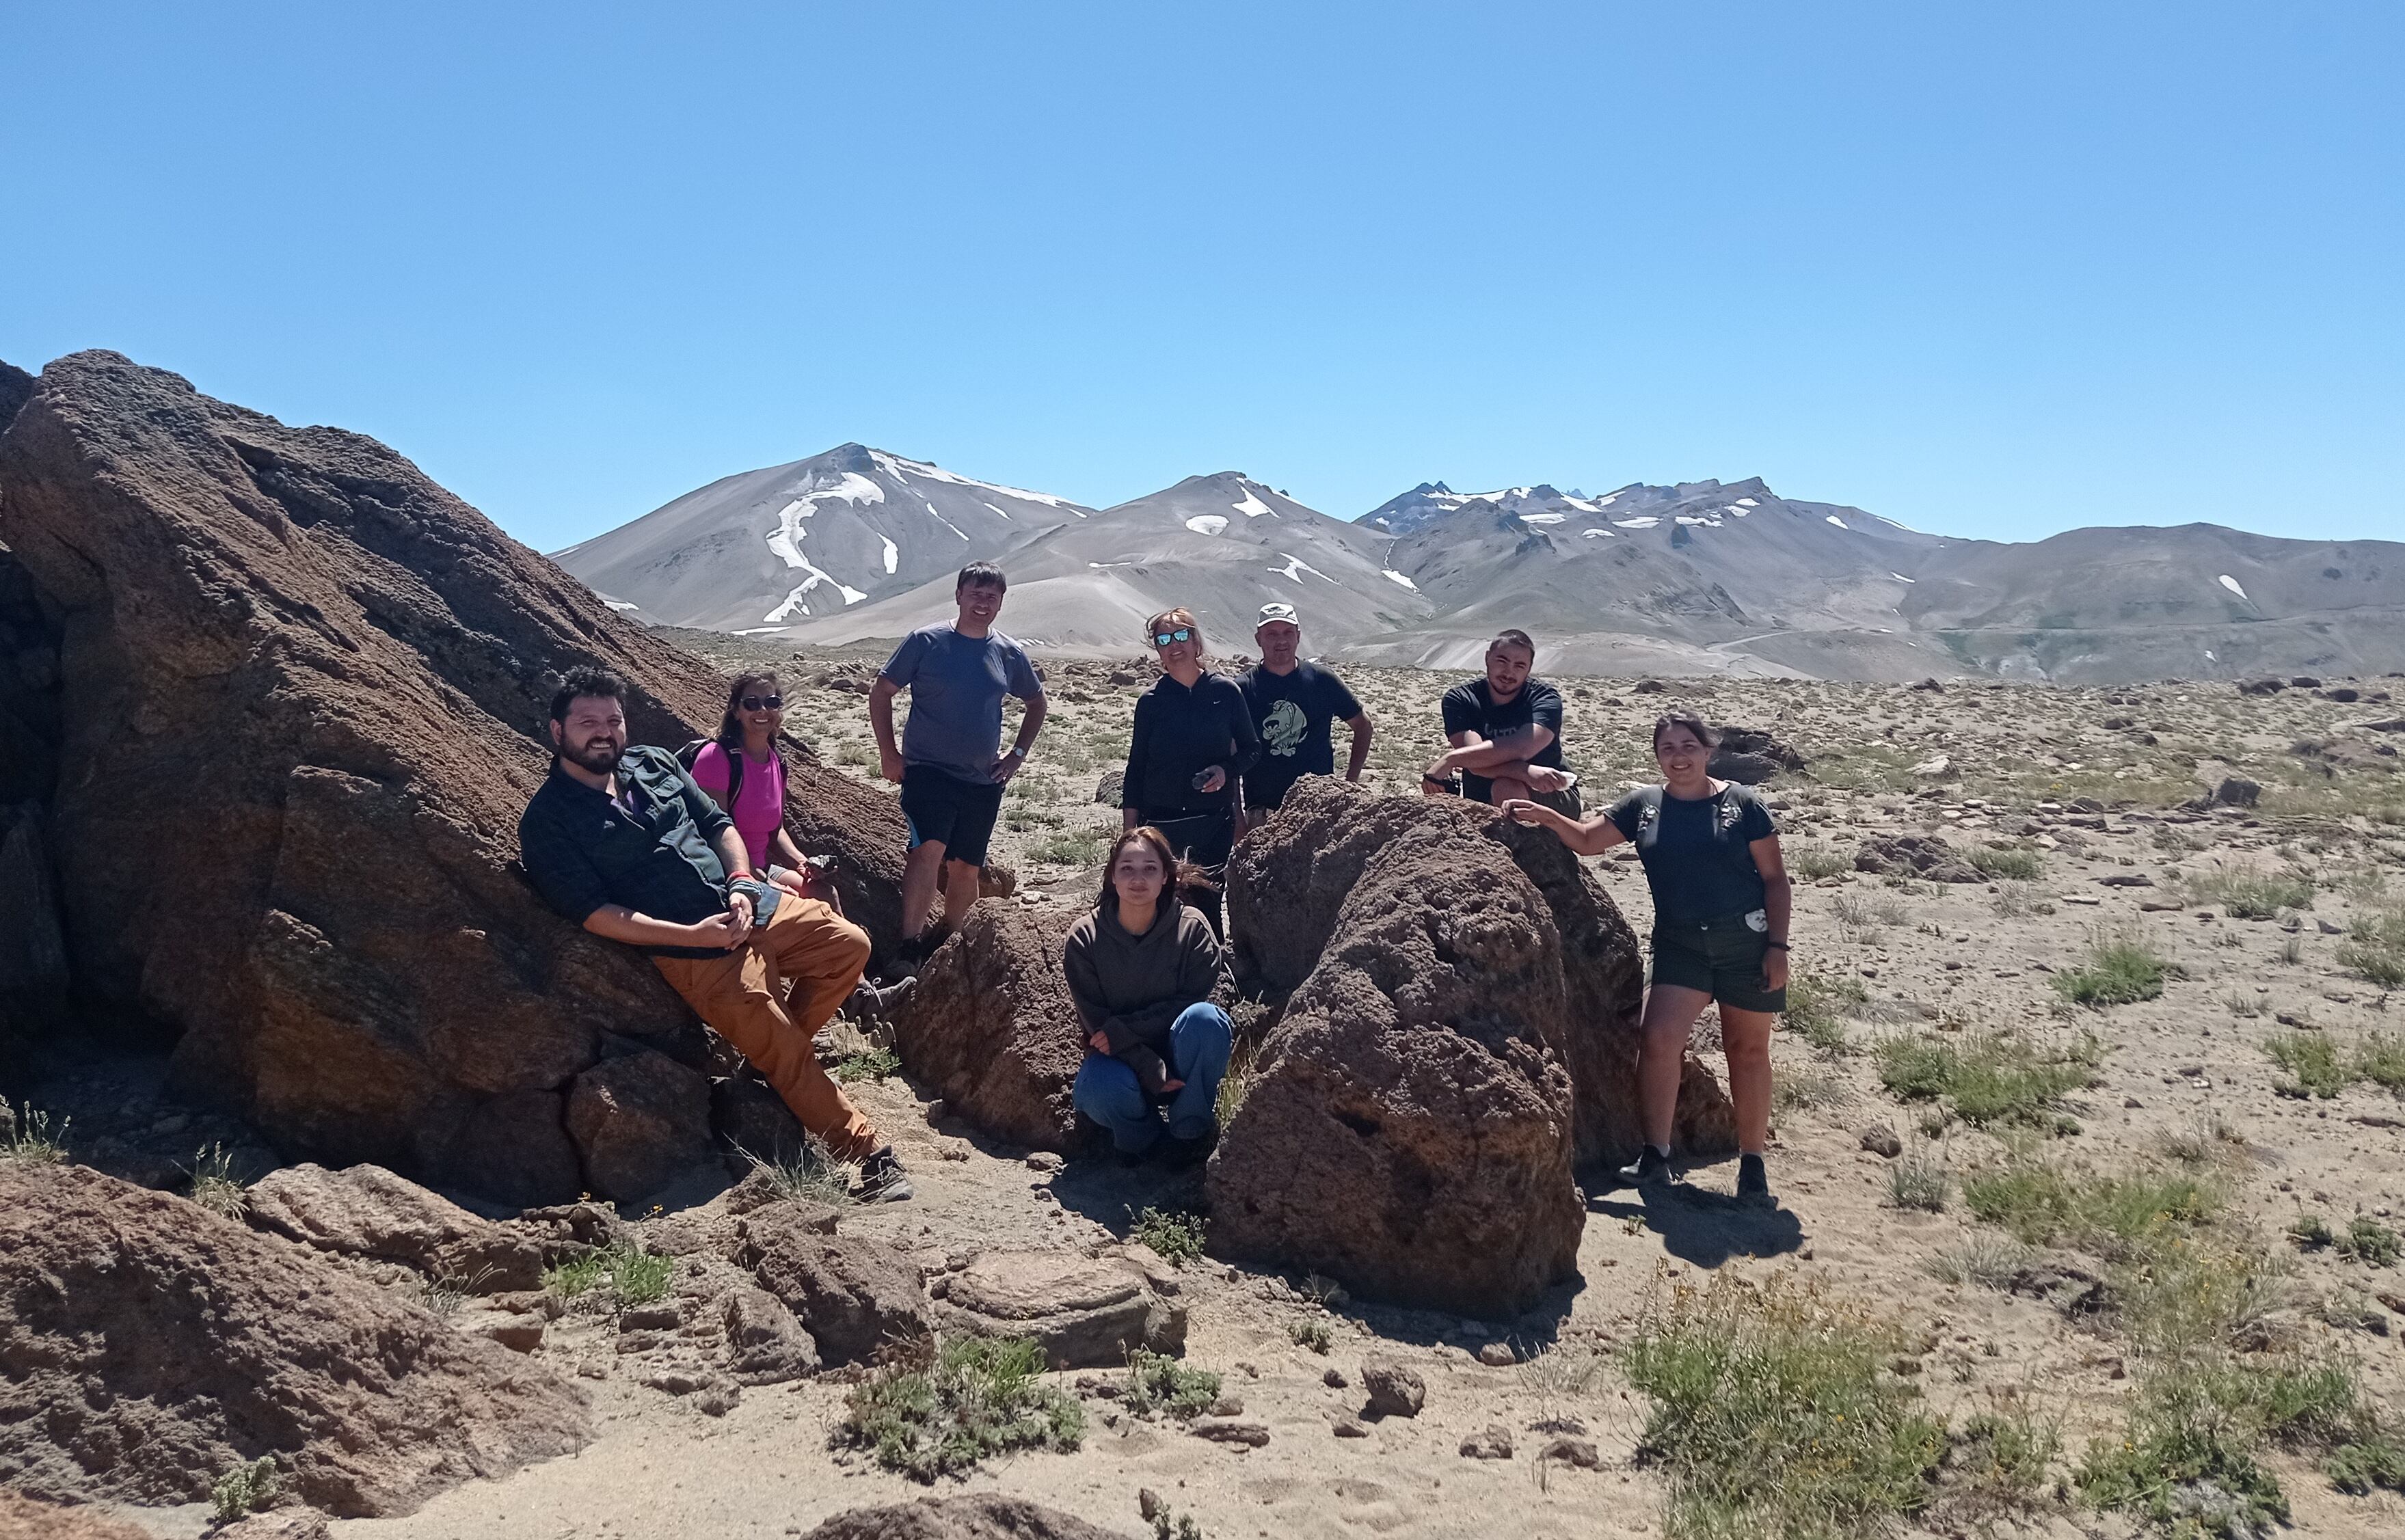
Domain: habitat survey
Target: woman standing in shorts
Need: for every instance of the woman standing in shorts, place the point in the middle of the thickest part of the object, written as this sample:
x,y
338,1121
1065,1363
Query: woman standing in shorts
x,y
1721,906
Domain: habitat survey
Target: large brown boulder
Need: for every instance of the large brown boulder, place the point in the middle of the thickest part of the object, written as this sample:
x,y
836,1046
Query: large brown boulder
x,y
147,1346
22,1518
1288,879
987,1516
853,1294
306,700
990,1027
1410,1130
367,1212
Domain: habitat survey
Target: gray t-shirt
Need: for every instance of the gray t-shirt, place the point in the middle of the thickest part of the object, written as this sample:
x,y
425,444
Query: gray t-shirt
x,y
956,686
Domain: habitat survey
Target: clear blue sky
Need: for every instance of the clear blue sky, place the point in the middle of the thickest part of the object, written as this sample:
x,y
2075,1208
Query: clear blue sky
x,y
1991,271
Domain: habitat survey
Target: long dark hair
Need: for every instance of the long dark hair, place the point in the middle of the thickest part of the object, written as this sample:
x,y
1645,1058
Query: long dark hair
x,y
1173,872
730,726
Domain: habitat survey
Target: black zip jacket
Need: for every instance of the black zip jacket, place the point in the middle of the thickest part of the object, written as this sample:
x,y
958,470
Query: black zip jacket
x,y
1180,733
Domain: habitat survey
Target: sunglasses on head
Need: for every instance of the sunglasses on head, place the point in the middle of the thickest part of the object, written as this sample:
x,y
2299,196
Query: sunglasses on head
x,y
764,703
1162,639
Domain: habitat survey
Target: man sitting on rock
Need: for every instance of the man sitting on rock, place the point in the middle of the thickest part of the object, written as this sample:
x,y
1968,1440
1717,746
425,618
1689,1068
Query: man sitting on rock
x,y
621,841
1506,732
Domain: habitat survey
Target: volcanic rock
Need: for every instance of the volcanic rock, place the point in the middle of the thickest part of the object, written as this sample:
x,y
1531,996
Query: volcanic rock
x,y
358,666
1395,1390
2238,791
1411,1128
765,1344
29,687
151,1345
368,1211
850,1291
22,1518
1925,856
1084,1312
992,1028
987,1516
1289,877
638,1121
1744,769
1751,740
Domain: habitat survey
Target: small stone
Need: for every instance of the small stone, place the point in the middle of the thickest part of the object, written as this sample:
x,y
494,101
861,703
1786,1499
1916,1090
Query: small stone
x,y
1227,1405
1573,1451
1229,1430
1880,1140
1044,1160
1347,1428
516,1335
1334,1379
2132,1101
1493,1444
1394,1390
1148,1503
1497,1355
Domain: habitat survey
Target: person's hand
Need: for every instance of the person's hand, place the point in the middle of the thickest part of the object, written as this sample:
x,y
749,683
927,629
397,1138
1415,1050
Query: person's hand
x,y
1100,1043
1009,765
1213,779
724,933
1545,778
1774,968
738,909
1520,810
889,764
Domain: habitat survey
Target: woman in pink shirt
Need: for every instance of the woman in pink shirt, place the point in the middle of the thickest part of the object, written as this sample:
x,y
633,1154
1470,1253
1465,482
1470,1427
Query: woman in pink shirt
x,y
747,735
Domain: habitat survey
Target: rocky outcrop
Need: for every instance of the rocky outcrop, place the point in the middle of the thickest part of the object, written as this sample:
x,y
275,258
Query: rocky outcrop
x,y
1409,1132
1289,879
22,1518
765,1345
990,1027
988,1516
1084,1311
368,1211
852,1292
638,1120
356,667
147,1346
1924,856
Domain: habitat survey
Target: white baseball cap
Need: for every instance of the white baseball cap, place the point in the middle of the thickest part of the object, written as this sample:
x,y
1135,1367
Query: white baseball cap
x,y
1278,612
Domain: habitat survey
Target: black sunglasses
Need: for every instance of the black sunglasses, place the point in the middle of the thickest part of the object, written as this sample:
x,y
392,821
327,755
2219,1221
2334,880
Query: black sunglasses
x,y
1162,639
759,702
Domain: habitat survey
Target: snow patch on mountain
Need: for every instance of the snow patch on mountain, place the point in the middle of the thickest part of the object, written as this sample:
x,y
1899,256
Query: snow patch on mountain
x,y
2232,583
1252,507
1207,524
894,465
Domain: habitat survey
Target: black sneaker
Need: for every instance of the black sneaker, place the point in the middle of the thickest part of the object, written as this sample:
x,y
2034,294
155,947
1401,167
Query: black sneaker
x,y
1753,1183
1649,1167
882,1179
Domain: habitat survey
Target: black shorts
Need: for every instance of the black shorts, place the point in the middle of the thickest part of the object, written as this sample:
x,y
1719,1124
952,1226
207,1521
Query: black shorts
x,y
1723,959
944,809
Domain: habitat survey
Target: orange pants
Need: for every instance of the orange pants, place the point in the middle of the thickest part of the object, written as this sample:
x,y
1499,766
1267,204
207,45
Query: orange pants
x,y
814,955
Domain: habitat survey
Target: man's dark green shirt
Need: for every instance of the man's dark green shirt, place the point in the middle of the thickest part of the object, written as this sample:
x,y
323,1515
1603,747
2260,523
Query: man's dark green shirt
x,y
584,850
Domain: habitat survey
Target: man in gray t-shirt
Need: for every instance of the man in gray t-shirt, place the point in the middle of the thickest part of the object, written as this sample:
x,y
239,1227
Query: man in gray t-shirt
x,y
950,774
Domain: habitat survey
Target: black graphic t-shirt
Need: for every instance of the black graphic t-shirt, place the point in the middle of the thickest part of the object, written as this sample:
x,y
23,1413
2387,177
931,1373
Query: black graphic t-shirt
x,y
1292,712
1472,708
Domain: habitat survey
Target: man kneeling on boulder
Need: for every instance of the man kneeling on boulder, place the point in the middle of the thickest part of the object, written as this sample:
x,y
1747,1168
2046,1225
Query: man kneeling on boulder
x,y
621,841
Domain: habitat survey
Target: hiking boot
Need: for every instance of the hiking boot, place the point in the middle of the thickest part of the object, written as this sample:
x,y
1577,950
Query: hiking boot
x,y
882,1180
1649,1168
1185,1152
1753,1183
869,1000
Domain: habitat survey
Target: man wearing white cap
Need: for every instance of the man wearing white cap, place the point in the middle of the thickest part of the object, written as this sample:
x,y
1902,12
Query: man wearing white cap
x,y
1293,704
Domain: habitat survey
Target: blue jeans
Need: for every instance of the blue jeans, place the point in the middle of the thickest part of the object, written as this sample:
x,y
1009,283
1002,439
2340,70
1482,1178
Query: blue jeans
x,y
1106,1089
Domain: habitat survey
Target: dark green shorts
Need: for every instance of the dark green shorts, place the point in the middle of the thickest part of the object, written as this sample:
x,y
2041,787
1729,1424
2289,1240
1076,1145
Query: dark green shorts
x,y
1724,960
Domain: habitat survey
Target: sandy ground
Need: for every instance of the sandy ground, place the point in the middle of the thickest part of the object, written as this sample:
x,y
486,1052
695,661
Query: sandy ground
x,y
1944,961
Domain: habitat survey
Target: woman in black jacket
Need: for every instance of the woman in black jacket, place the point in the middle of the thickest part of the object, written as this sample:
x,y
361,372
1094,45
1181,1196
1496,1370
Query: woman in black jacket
x,y
1194,739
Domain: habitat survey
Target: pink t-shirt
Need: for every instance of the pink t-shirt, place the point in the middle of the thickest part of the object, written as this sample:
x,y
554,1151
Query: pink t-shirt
x,y
759,808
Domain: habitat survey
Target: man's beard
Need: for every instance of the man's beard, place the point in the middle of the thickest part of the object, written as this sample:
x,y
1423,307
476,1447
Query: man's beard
x,y
599,755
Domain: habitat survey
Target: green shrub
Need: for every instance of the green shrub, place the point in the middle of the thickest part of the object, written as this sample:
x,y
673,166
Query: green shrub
x,y
2040,1203
2119,971
1160,1383
2000,1462
2250,895
633,1275
1814,862
2311,1231
1177,1238
2375,946
2380,1058
215,1185
245,1489
1993,1078
2311,1061
1771,1413
867,1064
2017,863
813,1175
1315,1335
1917,1181
1817,1006
2368,1240
968,1400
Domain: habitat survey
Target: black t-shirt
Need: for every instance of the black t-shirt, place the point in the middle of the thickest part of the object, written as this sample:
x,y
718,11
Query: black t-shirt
x,y
1698,858
1292,712
1471,709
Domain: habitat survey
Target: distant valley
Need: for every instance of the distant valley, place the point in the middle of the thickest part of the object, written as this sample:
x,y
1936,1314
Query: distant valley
x,y
1699,577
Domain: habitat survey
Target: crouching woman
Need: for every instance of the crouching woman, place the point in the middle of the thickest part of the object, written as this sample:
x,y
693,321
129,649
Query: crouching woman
x,y
1142,968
